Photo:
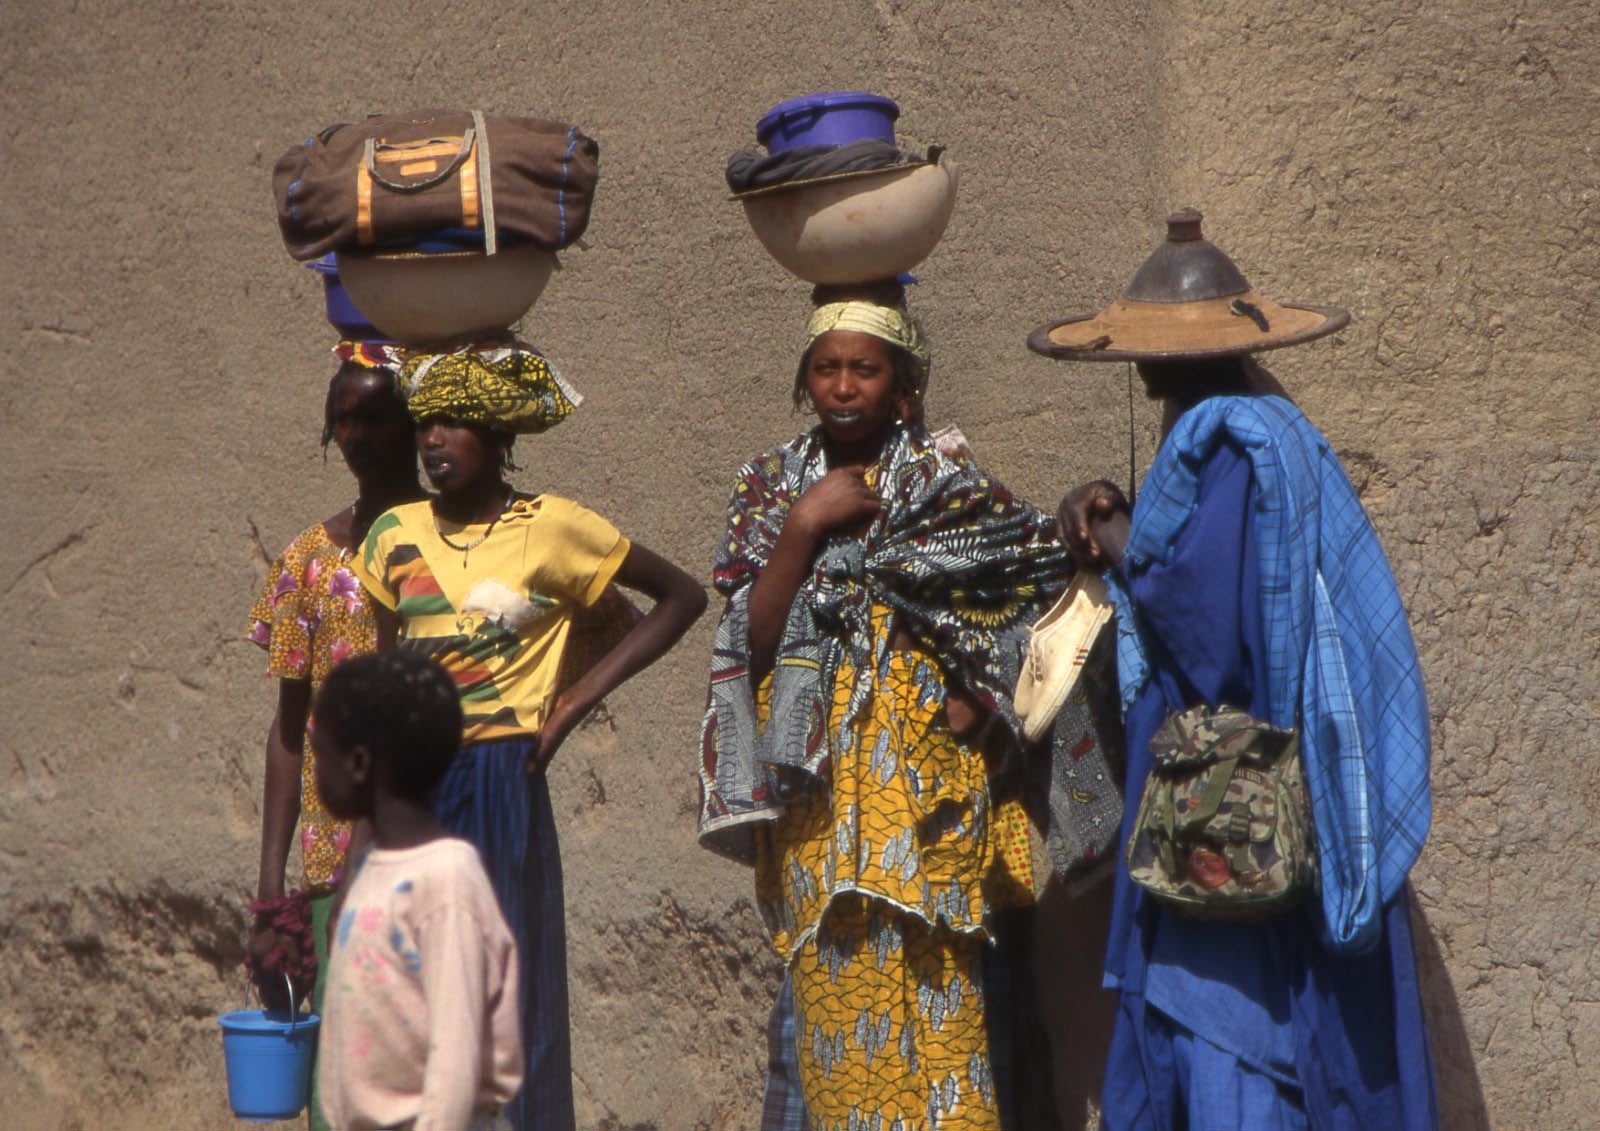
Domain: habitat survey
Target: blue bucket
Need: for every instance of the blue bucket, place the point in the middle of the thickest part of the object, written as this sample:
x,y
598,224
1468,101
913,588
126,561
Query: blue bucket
x,y
342,313
837,118
269,1055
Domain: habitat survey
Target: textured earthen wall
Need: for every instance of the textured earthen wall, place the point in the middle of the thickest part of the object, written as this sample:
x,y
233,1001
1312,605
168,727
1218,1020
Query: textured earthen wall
x,y
164,364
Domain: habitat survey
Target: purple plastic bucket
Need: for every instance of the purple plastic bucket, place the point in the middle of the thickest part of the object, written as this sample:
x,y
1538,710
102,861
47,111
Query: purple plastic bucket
x,y
342,313
837,118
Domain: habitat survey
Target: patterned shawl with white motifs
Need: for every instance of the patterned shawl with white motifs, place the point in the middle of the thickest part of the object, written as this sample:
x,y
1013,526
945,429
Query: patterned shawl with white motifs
x,y
965,565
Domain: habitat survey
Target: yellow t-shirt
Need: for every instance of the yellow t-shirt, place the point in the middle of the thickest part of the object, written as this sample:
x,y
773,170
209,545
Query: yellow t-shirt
x,y
498,613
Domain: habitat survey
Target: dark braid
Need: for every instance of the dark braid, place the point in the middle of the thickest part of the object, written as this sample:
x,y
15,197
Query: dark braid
x,y
329,402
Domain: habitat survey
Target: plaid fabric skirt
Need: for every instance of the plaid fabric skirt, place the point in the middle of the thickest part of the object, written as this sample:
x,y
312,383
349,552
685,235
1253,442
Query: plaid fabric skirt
x,y
783,1105
488,798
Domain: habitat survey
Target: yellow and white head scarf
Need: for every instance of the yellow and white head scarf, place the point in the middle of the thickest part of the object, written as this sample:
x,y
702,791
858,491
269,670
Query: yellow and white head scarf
x,y
508,386
888,323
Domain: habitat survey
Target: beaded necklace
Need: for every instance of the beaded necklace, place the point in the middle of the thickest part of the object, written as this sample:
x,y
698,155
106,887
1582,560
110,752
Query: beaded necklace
x,y
466,550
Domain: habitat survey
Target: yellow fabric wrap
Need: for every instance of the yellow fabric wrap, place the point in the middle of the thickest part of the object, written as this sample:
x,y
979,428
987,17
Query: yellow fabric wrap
x,y
504,386
386,356
875,891
888,323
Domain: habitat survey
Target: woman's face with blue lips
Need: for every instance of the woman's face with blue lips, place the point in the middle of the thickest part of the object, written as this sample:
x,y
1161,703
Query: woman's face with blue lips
x,y
850,381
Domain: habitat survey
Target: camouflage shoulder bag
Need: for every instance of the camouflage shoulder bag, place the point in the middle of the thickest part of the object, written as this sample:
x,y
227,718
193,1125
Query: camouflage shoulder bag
x,y
1224,826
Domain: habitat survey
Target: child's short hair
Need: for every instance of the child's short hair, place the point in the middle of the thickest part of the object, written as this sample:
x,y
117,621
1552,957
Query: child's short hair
x,y
401,707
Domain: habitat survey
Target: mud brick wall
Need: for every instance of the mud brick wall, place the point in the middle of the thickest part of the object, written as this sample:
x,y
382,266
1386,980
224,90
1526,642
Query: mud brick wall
x,y
1432,167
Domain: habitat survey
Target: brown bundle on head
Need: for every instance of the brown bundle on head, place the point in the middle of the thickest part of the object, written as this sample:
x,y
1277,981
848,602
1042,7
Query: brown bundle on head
x,y
397,178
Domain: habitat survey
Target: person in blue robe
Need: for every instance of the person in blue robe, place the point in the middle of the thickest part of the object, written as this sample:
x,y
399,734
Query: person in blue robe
x,y
1248,575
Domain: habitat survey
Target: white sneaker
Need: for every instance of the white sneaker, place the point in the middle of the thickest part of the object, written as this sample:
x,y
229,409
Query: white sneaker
x,y
1057,649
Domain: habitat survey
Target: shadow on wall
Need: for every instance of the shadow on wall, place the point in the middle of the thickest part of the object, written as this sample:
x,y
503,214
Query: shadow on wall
x,y
1461,1103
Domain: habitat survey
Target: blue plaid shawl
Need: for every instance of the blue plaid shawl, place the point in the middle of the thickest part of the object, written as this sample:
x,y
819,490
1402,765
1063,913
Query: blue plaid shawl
x,y
1339,650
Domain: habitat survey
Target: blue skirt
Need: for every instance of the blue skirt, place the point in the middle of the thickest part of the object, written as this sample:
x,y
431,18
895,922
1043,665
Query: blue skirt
x,y
488,798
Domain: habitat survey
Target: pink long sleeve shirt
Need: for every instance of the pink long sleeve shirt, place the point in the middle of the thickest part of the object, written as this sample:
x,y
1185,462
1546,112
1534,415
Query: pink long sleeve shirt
x,y
421,1003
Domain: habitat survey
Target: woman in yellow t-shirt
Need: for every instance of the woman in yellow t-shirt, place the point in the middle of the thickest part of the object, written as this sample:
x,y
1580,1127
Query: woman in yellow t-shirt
x,y
878,593
497,586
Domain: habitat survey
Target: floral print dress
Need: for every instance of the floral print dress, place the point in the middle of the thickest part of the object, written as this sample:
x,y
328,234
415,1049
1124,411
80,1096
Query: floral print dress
x,y
311,614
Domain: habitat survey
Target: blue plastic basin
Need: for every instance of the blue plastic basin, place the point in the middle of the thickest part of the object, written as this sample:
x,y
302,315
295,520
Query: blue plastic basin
x,y
835,118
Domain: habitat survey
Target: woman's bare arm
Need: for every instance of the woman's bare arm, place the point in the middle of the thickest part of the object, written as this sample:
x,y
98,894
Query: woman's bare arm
x,y
280,801
679,601
388,623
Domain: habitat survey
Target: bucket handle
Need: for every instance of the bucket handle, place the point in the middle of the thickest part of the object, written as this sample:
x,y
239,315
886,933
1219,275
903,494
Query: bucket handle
x,y
801,119
293,1015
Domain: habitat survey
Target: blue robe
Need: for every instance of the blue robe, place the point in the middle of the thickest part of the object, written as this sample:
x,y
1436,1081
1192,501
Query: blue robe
x,y
1227,595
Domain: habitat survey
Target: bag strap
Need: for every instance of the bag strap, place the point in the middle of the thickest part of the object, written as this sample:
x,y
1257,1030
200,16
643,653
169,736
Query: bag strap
x,y
1167,844
485,183
476,137
473,151
1218,777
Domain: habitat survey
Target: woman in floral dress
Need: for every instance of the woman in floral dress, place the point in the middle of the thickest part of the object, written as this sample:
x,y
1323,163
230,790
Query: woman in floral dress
x,y
311,614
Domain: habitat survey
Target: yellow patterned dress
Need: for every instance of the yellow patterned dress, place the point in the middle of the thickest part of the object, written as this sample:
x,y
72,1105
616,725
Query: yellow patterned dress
x,y
875,894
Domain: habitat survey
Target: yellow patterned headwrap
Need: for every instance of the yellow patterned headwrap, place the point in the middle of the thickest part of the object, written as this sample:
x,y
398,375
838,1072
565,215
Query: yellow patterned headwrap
x,y
505,386
890,323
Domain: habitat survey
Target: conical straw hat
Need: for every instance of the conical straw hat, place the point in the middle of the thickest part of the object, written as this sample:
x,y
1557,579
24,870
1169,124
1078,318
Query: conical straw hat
x,y
1188,300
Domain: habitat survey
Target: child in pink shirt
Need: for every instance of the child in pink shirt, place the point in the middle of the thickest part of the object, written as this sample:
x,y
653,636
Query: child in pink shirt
x,y
420,1025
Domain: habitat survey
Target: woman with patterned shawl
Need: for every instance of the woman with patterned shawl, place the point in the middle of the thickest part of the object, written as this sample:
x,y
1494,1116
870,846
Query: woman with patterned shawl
x,y
509,592
878,596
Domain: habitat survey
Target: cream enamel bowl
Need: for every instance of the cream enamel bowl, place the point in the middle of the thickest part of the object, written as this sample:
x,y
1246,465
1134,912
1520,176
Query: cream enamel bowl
x,y
418,297
855,229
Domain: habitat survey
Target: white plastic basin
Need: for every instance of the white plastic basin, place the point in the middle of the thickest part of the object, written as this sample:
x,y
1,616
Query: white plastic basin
x,y
417,298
